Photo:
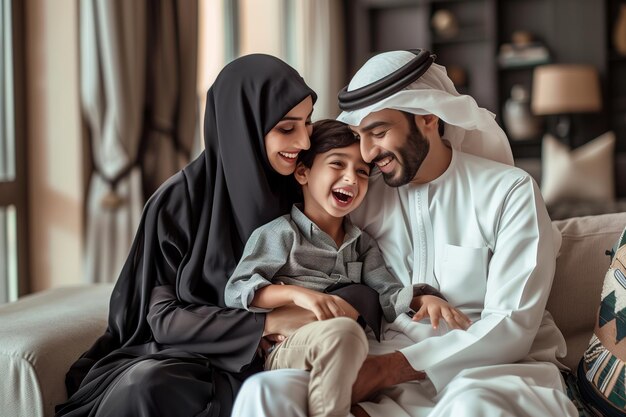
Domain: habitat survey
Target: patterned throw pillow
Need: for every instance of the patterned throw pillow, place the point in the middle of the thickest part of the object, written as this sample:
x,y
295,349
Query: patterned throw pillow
x,y
602,370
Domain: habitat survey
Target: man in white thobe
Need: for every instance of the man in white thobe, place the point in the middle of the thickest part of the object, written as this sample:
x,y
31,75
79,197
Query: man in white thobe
x,y
450,211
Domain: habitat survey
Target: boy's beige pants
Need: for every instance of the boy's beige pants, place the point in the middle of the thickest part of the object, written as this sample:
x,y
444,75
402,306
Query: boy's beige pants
x,y
333,351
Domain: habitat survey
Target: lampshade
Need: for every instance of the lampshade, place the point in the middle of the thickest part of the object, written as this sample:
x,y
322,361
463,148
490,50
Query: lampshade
x,y
564,88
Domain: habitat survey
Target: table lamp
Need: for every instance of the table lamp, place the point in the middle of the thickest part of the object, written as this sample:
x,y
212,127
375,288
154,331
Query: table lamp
x,y
564,89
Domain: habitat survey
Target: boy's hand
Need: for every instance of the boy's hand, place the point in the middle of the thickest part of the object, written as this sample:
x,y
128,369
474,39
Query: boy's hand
x,y
324,306
347,308
436,309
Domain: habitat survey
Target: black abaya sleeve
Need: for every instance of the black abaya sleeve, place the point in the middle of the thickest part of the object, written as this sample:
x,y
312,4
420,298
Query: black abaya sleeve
x,y
147,306
222,334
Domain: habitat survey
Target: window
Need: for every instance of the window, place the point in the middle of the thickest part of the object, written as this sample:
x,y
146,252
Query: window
x,y
13,278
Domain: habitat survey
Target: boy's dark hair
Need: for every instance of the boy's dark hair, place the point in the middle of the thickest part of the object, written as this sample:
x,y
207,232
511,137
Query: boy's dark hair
x,y
327,134
409,117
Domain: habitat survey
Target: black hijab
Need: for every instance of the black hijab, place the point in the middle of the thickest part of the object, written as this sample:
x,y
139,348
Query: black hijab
x,y
248,98
194,228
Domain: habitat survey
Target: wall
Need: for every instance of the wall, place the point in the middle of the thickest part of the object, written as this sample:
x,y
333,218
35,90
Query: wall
x,y
54,143
261,27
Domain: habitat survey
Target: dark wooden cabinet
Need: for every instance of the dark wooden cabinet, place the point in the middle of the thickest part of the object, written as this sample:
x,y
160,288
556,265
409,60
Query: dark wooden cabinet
x,y
615,91
573,31
374,26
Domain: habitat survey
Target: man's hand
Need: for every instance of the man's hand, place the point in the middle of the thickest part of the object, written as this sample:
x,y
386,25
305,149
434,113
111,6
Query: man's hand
x,y
324,306
436,308
378,372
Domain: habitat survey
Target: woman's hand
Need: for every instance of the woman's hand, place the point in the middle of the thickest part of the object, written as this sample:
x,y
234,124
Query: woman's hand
x,y
283,321
324,306
436,308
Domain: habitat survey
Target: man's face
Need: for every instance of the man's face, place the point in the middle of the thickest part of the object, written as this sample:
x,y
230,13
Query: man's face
x,y
394,143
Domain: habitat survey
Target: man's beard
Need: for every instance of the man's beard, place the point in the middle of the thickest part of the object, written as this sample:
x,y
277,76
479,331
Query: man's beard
x,y
411,157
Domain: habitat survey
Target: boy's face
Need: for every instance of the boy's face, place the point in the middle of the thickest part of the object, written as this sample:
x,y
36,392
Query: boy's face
x,y
336,183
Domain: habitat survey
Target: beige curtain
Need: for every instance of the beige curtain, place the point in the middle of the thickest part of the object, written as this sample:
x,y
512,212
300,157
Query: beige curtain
x,y
133,71
319,50
171,96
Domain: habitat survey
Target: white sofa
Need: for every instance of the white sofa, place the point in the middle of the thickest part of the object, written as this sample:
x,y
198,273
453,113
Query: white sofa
x,y
42,334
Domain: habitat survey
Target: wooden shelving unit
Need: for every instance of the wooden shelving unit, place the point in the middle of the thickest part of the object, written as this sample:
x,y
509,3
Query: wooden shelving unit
x,y
616,78
574,31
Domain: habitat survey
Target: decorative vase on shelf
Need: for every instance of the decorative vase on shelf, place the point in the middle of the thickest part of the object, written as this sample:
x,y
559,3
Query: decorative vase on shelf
x,y
445,24
520,123
619,31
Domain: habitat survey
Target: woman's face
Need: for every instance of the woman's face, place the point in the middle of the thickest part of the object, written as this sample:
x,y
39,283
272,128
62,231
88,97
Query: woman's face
x,y
290,136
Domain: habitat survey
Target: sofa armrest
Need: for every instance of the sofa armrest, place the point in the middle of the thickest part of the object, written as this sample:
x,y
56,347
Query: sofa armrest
x,y
580,270
41,335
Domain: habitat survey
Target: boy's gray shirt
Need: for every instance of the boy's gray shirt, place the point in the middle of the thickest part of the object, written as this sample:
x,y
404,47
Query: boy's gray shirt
x,y
293,250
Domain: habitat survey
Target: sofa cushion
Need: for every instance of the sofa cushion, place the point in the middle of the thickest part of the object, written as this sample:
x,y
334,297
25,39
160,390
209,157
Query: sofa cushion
x,y
580,270
582,174
41,335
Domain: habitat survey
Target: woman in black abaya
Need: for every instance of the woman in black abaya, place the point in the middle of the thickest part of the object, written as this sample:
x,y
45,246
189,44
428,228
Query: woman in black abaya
x,y
171,347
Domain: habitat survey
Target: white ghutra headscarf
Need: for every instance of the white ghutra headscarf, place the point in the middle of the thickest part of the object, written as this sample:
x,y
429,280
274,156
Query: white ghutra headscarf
x,y
469,128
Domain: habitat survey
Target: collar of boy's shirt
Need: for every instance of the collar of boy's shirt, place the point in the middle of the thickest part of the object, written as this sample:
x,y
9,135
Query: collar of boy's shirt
x,y
316,235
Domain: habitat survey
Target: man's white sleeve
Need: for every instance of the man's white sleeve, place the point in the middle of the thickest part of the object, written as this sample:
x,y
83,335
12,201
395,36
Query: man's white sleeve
x,y
518,284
